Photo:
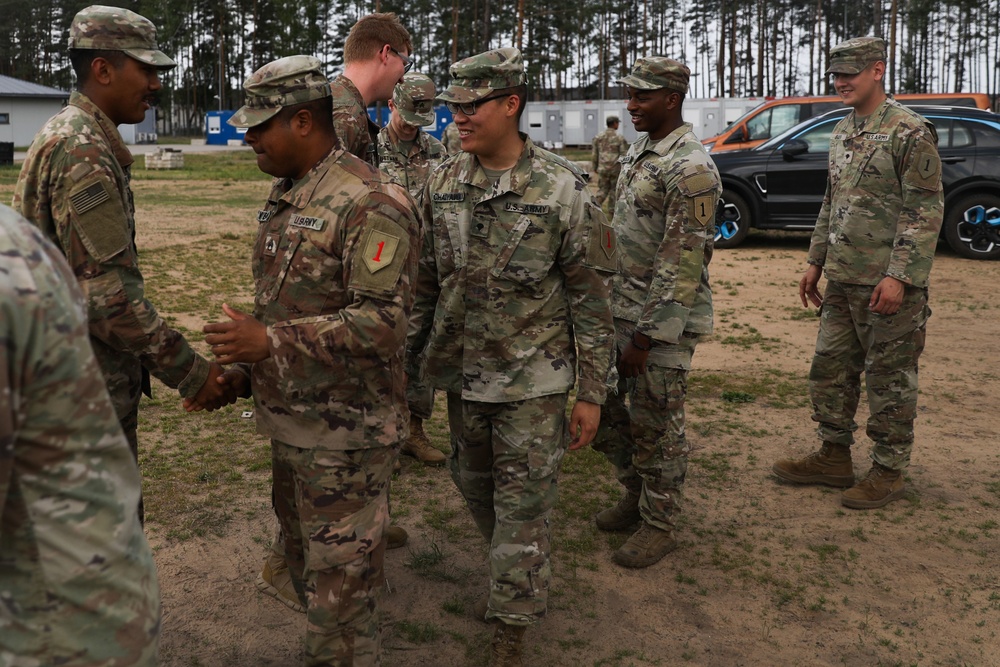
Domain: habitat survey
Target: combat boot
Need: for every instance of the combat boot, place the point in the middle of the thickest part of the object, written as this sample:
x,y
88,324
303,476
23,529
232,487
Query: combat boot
x,y
646,546
419,447
622,516
395,537
878,488
275,580
831,465
505,647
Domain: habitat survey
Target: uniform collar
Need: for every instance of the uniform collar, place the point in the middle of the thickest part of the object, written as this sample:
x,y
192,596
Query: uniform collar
x,y
514,180
873,120
121,152
299,193
666,144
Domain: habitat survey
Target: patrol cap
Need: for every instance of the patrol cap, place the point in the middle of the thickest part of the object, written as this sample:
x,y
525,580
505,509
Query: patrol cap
x,y
611,120
413,98
282,83
658,72
854,55
478,76
117,29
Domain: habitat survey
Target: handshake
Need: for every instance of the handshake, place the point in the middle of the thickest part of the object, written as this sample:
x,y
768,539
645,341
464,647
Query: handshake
x,y
241,340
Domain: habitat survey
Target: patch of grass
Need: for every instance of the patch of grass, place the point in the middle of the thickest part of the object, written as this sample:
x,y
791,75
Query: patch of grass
x,y
419,632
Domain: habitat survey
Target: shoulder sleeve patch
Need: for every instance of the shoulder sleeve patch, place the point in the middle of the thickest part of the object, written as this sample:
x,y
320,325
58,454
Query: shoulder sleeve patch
x,y
99,217
928,166
697,183
703,209
380,257
603,250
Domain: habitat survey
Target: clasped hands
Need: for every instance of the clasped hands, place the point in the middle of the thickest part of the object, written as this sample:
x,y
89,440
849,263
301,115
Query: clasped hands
x,y
240,340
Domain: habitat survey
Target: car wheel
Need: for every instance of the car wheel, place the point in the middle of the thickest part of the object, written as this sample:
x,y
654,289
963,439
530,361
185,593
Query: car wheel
x,y
972,226
733,221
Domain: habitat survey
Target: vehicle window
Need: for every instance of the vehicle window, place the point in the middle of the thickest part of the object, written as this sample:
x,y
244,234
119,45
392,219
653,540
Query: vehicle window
x,y
783,118
987,135
818,137
823,107
943,128
961,135
759,127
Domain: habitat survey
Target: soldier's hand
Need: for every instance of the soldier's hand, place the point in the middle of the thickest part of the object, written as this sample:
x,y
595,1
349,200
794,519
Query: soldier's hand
x,y
583,423
242,339
632,362
235,384
213,394
887,296
809,286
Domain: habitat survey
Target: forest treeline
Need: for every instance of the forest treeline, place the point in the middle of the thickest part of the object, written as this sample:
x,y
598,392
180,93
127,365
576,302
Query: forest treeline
x,y
572,48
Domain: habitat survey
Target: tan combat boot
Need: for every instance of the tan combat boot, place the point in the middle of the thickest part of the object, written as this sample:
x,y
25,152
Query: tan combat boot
x,y
878,488
275,580
622,516
505,647
831,465
419,447
646,546
395,537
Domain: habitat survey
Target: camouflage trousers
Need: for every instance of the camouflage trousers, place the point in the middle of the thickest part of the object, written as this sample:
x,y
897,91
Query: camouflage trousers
x,y
642,429
505,459
332,509
886,348
125,388
606,184
420,399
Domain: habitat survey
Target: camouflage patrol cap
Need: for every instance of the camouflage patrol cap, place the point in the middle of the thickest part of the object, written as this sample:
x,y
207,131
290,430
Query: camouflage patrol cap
x,y
478,76
854,55
117,29
657,72
413,98
282,83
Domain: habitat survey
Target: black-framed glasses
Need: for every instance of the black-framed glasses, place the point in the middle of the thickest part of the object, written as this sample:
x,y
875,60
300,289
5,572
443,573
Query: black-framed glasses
x,y
407,60
469,108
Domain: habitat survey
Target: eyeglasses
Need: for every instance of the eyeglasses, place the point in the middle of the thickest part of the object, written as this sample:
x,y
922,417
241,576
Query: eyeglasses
x,y
407,60
469,108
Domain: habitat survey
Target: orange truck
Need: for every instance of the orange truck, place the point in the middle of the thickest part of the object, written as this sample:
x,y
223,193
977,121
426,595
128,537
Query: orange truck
x,y
775,116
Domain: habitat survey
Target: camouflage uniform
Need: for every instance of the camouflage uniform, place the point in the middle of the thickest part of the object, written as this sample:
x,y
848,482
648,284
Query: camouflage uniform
x,y
608,147
77,581
414,101
450,139
74,185
512,309
881,216
356,132
334,263
664,218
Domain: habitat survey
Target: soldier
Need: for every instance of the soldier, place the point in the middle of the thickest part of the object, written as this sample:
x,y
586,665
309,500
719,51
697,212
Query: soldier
x,y
662,303
512,309
74,185
77,581
875,239
376,55
452,142
334,264
408,156
608,147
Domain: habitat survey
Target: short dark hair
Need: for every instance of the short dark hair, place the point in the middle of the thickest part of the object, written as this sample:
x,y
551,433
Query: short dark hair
x,y
81,60
321,110
522,95
611,121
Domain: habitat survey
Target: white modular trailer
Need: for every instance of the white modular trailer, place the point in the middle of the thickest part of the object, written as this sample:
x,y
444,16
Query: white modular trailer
x,y
576,122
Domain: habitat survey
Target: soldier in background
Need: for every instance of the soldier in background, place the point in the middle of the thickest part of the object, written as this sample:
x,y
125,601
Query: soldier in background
x,y
376,55
875,240
409,156
75,186
662,303
77,581
334,264
608,147
450,138
511,311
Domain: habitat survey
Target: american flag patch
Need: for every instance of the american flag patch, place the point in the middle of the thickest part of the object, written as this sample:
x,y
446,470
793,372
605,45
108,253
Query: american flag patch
x,y
89,198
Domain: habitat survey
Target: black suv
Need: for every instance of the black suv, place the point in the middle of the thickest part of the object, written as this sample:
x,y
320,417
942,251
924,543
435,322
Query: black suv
x,y
780,184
